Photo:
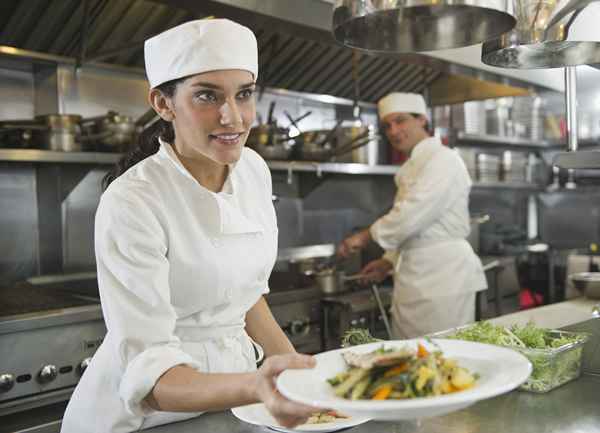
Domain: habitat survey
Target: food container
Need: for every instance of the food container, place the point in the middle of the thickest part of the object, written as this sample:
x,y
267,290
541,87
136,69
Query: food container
x,y
552,367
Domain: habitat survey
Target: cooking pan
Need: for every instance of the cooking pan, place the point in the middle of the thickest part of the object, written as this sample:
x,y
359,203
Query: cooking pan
x,y
332,281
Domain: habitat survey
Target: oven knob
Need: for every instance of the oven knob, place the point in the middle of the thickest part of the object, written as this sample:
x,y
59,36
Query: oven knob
x,y
47,374
83,365
362,320
354,322
7,381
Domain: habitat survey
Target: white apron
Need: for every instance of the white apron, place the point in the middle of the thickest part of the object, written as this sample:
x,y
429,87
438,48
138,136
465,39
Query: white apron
x,y
436,272
178,269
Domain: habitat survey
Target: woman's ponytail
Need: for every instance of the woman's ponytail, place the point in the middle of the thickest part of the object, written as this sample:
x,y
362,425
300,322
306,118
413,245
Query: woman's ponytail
x,y
148,143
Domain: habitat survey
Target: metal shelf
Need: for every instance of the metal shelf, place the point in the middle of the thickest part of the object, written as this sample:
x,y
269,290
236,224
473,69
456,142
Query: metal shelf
x,y
332,167
50,156
508,185
503,143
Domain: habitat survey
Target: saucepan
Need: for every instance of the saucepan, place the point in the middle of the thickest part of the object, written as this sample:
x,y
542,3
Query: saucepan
x,y
332,281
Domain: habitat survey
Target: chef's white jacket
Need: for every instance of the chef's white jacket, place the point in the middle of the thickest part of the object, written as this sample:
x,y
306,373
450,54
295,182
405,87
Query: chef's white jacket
x,y
436,272
178,268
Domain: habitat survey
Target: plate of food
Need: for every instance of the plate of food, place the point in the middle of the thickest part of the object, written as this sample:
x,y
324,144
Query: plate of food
x,y
325,421
406,379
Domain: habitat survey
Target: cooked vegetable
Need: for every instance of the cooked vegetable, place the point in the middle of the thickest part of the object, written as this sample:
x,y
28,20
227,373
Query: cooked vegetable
x,y
357,336
324,417
398,374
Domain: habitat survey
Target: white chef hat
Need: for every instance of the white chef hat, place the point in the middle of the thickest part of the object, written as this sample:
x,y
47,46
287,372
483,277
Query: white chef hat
x,y
398,102
200,46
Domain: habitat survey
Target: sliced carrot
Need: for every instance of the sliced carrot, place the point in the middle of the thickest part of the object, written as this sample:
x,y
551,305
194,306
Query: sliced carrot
x,y
383,392
421,351
396,370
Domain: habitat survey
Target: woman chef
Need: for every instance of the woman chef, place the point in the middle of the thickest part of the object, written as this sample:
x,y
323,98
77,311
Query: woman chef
x,y
437,273
185,241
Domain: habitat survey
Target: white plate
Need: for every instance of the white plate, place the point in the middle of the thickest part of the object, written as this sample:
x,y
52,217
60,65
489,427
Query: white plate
x,y
257,414
500,371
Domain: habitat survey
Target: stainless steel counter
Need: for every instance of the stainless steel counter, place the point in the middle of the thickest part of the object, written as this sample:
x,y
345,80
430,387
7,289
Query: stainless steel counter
x,y
574,407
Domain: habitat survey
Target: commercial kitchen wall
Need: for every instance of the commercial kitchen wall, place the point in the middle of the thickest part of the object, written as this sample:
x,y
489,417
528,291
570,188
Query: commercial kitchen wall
x,y
335,206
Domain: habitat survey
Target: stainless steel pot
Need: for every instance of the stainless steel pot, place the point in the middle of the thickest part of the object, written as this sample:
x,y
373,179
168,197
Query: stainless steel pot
x,y
332,281
588,283
359,144
270,141
62,132
315,145
120,130
113,131
547,35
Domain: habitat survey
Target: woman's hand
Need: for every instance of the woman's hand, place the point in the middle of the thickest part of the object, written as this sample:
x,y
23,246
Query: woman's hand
x,y
354,243
376,271
286,412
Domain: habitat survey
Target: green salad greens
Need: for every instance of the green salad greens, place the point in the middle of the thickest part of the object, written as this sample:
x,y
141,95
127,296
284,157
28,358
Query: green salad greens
x,y
356,336
551,367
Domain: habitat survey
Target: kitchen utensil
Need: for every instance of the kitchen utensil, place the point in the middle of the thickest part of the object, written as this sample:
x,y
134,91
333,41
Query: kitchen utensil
x,y
475,232
115,131
14,134
542,36
332,281
121,131
588,283
294,122
418,25
382,311
363,148
270,141
270,115
62,132
314,145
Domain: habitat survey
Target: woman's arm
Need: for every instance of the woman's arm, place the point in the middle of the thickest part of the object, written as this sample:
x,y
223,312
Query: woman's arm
x,y
262,327
183,389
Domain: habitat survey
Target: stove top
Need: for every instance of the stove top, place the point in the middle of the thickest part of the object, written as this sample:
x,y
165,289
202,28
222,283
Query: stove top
x,y
24,298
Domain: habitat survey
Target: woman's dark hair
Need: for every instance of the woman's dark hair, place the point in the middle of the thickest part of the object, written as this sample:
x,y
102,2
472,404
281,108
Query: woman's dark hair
x,y
148,143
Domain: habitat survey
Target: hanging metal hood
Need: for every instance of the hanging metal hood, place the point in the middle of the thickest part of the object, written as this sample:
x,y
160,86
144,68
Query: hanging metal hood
x,y
548,35
403,26
297,50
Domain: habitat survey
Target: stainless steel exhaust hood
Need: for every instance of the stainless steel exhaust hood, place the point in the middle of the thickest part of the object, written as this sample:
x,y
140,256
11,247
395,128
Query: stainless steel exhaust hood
x,y
297,51
403,26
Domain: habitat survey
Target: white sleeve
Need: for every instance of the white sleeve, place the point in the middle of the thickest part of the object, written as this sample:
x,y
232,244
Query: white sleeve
x,y
428,198
133,278
391,256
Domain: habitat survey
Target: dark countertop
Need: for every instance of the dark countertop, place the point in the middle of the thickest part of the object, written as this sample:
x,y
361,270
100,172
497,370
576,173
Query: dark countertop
x,y
574,407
